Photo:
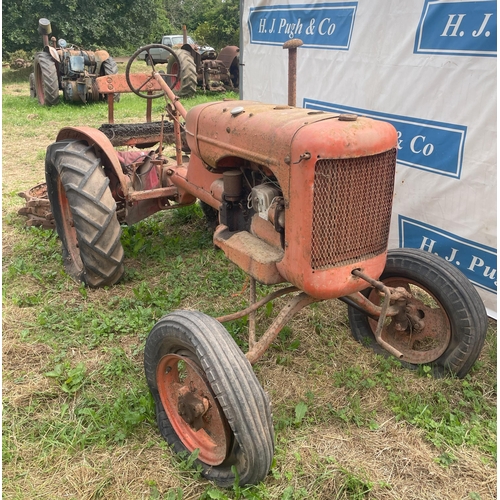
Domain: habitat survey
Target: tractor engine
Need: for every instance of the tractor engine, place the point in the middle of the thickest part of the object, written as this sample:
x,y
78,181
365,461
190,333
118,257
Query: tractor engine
x,y
304,196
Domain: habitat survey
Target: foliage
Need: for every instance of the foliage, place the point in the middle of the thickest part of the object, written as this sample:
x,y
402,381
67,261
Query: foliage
x,y
221,25
91,24
120,27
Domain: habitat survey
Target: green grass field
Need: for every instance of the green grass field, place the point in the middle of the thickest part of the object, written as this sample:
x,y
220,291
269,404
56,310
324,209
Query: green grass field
x,y
78,420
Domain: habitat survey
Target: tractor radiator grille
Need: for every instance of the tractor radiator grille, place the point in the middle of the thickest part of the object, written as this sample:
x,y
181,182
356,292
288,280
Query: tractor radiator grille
x,y
351,209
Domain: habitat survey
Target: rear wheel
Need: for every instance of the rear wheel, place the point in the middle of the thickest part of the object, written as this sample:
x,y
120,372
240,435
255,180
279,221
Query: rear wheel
x,y
46,80
211,215
32,85
109,67
85,214
453,316
234,72
208,398
186,86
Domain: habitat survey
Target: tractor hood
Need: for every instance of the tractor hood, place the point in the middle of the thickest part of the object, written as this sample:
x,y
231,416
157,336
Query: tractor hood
x,y
224,133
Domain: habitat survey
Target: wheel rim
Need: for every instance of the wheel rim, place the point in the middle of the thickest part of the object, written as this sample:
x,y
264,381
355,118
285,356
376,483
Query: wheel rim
x,y
68,227
418,346
191,408
39,85
174,73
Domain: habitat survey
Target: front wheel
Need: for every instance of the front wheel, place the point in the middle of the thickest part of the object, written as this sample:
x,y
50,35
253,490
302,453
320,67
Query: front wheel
x,y
453,316
208,398
85,213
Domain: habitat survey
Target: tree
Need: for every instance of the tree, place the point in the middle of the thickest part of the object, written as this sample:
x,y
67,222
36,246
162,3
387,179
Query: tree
x,y
122,25
212,22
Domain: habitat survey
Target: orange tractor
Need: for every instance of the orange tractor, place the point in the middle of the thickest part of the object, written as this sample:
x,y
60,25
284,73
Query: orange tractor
x,y
302,198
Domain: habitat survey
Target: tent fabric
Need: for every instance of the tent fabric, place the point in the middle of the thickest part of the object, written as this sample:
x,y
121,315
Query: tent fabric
x,y
427,67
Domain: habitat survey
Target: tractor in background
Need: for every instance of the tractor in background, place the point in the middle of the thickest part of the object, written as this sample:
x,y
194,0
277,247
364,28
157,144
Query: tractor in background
x,y
199,66
66,67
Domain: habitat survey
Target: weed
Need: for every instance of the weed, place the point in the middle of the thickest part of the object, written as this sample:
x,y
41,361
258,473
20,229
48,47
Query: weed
x,y
355,487
300,412
69,379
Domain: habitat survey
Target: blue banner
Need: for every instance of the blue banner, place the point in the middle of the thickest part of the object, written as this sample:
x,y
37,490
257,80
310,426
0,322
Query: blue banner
x,y
458,28
427,145
478,262
325,26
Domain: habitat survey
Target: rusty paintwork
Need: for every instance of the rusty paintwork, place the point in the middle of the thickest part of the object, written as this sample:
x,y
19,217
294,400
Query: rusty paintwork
x,y
295,304
118,83
140,202
192,409
426,333
98,140
252,254
291,141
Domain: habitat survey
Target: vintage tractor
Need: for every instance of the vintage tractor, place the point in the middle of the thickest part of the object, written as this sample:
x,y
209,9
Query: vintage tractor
x,y
200,66
67,68
303,198
216,72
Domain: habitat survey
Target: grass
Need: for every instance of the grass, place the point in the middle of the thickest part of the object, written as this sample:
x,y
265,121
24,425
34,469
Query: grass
x,y
78,420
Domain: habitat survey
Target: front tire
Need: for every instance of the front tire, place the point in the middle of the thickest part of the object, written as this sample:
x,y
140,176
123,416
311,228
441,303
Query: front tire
x,y
186,86
452,311
85,214
191,362
46,79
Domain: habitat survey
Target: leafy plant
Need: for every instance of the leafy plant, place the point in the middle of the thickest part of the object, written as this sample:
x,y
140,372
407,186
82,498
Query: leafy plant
x,y
70,379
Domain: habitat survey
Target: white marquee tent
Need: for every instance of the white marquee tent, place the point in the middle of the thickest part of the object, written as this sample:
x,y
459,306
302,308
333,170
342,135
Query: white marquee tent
x,y
429,68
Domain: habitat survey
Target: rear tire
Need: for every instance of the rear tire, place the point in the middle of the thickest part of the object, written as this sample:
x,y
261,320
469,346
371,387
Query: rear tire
x,y
85,214
109,67
186,86
46,79
453,313
32,85
211,215
234,72
236,429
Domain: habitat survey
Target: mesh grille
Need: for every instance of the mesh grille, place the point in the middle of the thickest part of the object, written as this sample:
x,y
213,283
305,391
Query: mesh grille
x,y
351,209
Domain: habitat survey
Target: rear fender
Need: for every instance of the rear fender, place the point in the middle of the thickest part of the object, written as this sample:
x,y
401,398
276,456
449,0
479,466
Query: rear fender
x,y
228,54
53,53
101,55
119,182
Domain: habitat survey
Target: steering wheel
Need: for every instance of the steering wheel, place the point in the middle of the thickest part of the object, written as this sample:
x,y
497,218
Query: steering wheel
x,y
170,79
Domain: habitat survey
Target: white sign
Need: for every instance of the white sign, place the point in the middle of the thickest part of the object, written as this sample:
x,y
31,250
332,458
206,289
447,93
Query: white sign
x,y
429,68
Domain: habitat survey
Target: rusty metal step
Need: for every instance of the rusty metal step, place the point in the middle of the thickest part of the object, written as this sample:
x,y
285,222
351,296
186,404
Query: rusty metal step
x,y
253,255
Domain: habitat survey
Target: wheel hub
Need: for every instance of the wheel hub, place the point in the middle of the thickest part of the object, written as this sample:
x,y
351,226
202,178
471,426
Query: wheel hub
x,y
192,408
421,331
